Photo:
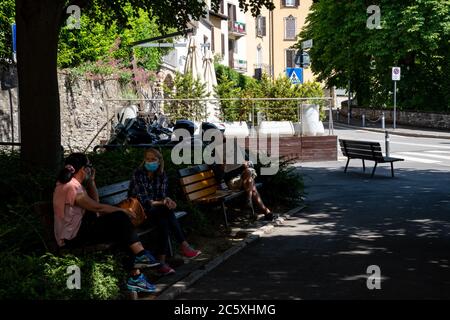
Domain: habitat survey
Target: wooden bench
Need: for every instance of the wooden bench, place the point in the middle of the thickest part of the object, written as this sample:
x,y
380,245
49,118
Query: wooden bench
x,y
365,150
111,194
200,186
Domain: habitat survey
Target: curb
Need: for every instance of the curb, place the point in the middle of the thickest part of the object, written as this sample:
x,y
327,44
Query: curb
x,y
179,287
405,134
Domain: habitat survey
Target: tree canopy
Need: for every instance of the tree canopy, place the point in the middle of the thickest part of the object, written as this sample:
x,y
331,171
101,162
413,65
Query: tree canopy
x,y
414,35
38,29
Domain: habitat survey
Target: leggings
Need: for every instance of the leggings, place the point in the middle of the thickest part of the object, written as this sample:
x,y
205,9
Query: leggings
x,y
115,227
165,221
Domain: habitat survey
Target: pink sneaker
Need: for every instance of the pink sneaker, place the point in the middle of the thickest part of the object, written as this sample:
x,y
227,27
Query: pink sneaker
x,y
188,252
165,270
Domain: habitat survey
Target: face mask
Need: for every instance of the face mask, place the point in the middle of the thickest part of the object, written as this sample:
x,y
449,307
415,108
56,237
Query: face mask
x,y
151,166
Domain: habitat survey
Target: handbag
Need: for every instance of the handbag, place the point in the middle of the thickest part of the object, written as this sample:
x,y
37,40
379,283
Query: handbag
x,y
133,205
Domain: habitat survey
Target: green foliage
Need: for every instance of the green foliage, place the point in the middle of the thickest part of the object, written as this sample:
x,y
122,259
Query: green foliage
x,y
287,179
414,35
6,19
227,89
231,84
109,42
185,87
44,277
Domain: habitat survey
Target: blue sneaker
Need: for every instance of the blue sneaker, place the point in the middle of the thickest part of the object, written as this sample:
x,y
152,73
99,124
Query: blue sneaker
x,y
141,284
145,261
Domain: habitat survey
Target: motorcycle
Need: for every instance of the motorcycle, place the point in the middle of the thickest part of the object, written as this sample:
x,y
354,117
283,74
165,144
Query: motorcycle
x,y
137,132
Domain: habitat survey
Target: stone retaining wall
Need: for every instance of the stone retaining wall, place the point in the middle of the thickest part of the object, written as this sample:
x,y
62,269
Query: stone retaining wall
x,y
409,118
84,111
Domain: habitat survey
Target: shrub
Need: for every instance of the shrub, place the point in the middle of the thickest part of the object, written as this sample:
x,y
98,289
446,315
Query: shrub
x,y
45,277
286,179
185,87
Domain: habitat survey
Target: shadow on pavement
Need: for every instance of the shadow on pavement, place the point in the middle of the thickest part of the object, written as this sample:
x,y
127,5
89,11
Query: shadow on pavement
x,y
352,222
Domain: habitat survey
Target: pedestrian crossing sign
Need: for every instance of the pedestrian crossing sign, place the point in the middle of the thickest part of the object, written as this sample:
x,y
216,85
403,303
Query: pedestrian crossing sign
x,y
295,75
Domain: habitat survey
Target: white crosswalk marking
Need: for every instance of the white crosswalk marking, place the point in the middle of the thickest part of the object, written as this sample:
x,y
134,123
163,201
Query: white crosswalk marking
x,y
427,154
415,159
441,157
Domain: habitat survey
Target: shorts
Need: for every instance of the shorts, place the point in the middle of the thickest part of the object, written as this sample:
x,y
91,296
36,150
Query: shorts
x,y
236,183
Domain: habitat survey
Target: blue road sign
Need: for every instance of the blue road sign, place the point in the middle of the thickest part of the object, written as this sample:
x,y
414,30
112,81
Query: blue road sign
x,y
13,28
295,75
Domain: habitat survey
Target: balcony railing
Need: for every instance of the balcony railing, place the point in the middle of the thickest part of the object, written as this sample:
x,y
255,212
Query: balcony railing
x,y
236,28
240,65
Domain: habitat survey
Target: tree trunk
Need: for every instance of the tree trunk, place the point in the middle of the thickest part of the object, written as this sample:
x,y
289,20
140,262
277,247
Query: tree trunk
x,y
38,24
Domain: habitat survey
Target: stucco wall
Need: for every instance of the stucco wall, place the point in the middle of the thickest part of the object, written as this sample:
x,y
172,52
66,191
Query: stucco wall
x,y
85,111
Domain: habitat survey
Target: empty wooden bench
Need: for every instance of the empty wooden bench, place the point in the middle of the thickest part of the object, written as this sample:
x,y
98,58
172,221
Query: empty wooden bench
x,y
111,194
200,186
365,150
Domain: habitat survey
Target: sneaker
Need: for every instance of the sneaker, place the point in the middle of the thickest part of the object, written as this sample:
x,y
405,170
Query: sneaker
x,y
270,217
188,252
141,284
145,261
165,270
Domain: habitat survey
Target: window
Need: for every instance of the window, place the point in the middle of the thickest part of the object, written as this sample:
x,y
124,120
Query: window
x,y
259,56
232,12
290,26
260,26
290,3
205,41
290,58
222,40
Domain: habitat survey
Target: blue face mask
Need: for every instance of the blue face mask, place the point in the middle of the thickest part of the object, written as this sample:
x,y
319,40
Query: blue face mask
x,y
151,166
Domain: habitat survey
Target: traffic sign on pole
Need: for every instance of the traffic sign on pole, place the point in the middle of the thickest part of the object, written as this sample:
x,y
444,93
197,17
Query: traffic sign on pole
x,y
307,44
14,42
396,72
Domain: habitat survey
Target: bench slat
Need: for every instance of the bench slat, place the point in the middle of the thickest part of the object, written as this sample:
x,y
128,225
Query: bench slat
x,y
193,170
219,195
199,185
114,199
358,142
113,189
389,159
197,177
202,193
360,147
363,153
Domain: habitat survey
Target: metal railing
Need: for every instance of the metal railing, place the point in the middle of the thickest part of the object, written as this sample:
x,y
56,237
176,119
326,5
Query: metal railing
x,y
251,110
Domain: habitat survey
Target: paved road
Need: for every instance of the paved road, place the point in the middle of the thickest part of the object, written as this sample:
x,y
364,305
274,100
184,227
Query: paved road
x,y
401,225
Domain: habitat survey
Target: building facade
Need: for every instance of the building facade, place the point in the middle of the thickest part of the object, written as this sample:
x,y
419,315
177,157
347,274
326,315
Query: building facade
x,y
249,45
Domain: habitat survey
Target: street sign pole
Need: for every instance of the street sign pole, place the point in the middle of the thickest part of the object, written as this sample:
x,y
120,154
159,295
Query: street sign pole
x,y
396,74
395,104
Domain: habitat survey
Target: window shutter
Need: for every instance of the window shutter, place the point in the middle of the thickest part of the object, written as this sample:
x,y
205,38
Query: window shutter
x,y
263,26
222,38
231,12
297,3
212,40
283,3
290,58
289,28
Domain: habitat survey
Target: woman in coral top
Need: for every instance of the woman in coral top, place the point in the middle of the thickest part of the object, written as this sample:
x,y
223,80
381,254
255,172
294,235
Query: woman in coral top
x,y
81,219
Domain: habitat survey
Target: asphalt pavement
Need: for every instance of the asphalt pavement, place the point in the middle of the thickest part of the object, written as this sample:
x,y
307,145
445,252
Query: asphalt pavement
x,y
352,222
